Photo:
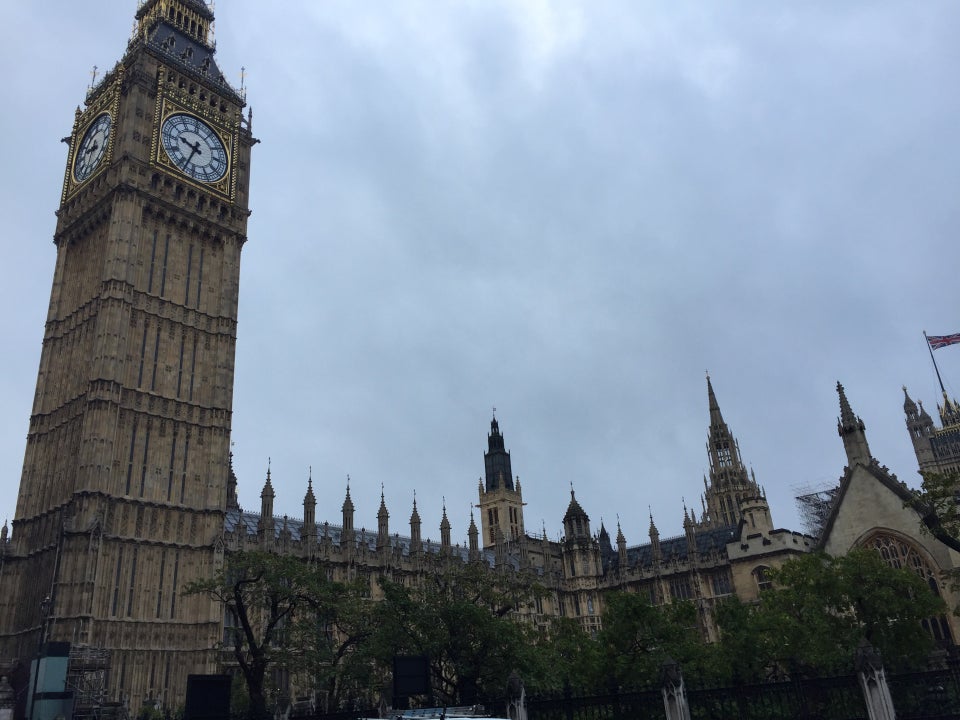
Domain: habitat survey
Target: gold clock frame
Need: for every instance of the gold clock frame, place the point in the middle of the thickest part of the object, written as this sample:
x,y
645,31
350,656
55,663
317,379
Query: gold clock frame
x,y
172,102
106,102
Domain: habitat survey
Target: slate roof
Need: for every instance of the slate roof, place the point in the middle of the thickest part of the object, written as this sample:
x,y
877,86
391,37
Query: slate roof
x,y
708,541
187,54
241,521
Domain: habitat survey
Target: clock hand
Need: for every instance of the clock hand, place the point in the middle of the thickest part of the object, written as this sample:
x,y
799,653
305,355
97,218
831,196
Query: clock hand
x,y
194,148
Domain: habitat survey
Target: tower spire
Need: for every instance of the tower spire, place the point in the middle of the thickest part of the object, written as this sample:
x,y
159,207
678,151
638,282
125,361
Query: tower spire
x,y
853,432
497,460
309,533
501,500
445,529
730,483
472,534
716,418
348,510
416,546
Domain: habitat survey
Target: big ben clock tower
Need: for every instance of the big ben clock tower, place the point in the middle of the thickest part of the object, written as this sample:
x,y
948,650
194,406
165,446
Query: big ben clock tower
x,y
124,483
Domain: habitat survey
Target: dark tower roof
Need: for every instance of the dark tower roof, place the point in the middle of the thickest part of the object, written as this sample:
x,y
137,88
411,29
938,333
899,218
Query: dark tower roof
x,y
909,406
179,31
576,522
574,510
497,460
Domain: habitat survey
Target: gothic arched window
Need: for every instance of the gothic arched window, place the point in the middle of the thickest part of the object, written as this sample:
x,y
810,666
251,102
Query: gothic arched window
x,y
899,553
761,575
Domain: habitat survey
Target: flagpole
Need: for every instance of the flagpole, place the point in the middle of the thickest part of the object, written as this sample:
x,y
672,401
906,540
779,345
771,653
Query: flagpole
x,y
936,369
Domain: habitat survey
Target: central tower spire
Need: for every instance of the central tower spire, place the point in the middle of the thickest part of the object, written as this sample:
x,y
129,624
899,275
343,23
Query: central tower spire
x,y
501,500
497,460
730,483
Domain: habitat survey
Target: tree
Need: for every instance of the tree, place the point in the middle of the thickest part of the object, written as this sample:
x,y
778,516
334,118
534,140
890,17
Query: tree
x,y
561,654
261,593
937,504
637,638
327,642
461,616
821,607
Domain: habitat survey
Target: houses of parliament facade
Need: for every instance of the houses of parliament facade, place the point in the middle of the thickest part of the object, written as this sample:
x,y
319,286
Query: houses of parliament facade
x,y
127,492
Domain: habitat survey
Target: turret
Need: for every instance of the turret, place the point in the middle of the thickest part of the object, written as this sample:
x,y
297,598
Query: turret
x,y
501,500
497,460
348,534
853,433
383,524
655,552
756,516
444,531
309,533
192,17
936,449
949,412
689,530
622,560
472,534
576,522
232,503
416,545
266,526
581,552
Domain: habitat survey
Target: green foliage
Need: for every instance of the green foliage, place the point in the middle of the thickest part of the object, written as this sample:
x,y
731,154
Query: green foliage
x,y
239,698
936,503
326,636
820,609
638,638
268,597
473,625
562,654
150,713
460,617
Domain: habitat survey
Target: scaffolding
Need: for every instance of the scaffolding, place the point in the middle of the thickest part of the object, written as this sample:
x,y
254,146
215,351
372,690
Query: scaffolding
x,y
87,677
814,503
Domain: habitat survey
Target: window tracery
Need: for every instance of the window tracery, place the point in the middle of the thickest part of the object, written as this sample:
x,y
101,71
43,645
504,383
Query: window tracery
x,y
899,553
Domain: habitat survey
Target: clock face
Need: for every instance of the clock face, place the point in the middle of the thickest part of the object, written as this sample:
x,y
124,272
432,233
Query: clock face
x,y
92,148
194,147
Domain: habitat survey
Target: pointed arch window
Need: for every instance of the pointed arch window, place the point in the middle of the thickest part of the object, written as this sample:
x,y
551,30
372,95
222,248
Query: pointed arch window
x,y
762,575
899,553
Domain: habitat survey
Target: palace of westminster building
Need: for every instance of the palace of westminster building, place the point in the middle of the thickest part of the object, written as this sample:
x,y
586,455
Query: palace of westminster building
x,y
137,372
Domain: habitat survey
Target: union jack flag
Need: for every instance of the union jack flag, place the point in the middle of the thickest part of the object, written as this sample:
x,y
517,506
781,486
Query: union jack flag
x,y
941,341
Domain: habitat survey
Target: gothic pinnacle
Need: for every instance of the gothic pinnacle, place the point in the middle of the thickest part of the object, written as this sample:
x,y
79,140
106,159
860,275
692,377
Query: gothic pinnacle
x,y
715,417
847,418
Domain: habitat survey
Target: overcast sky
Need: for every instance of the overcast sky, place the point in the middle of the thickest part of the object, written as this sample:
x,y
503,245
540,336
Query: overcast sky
x,y
568,210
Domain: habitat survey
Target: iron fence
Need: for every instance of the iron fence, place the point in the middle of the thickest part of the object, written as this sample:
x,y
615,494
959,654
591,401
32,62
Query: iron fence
x,y
837,698
929,695
609,706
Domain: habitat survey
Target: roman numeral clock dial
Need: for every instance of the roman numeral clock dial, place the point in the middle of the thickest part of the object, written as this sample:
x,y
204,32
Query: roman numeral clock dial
x,y
92,148
194,147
